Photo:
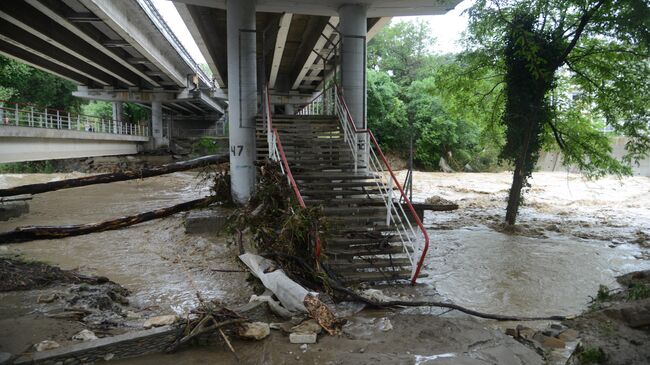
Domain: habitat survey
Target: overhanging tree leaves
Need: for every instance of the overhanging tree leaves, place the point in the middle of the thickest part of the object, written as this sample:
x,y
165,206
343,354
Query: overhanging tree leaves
x,y
601,47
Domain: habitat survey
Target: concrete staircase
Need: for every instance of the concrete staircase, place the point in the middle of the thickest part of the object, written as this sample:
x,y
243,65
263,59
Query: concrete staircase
x,y
359,246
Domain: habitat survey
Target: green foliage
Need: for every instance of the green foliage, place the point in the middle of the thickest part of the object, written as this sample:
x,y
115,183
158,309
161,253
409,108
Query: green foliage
x,y
638,291
205,146
99,109
407,81
386,112
592,355
401,49
603,293
29,167
25,84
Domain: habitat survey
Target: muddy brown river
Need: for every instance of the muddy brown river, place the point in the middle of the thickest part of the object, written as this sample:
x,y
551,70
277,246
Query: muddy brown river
x,y
574,236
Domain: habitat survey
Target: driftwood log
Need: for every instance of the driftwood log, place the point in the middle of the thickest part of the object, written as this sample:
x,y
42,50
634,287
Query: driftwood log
x,y
113,177
30,233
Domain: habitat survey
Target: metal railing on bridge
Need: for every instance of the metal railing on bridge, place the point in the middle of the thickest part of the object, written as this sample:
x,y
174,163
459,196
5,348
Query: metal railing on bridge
x,y
27,115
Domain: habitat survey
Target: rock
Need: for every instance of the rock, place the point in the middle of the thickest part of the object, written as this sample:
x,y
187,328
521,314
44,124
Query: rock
x,y
511,332
160,321
255,330
308,326
302,338
85,335
46,345
468,168
385,325
568,335
444,167
553,343
637,314
4,358
47,298
304,347
525,332
109,357
133,315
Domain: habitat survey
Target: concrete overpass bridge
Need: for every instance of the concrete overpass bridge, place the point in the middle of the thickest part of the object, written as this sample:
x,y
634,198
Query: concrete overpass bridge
x,y
116,51
29,133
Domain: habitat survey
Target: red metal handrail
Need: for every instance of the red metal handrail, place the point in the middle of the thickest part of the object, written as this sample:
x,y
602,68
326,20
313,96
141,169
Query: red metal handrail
x,y
392,174
287,169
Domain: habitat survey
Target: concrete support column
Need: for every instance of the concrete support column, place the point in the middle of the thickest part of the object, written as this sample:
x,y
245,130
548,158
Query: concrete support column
x,y
157,124
288,109
242,96
118,112
353,60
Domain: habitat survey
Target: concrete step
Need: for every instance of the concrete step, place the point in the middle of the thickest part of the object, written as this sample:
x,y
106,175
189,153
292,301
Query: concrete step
x,y
375,276
337,253
343,266
344,241
335,176
333,211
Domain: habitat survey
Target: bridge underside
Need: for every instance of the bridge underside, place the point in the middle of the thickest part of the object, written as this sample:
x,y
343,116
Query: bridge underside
x,y
20,144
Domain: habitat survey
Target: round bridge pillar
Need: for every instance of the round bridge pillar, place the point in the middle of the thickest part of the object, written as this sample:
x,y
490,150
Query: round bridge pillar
x,y
242,96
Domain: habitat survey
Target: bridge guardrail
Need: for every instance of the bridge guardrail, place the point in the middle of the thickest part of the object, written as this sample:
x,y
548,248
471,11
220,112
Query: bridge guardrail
x,y
27,115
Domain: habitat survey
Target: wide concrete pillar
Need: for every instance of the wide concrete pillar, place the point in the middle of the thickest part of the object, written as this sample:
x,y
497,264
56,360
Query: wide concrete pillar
x,y
157,124
118,112
353,28
242,96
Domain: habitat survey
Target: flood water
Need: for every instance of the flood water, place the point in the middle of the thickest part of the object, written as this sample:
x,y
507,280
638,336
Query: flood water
x,y
575,235
156,260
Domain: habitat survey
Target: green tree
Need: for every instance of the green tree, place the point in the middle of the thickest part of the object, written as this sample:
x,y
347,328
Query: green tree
x,y
386,112
602,47
22,83
401,49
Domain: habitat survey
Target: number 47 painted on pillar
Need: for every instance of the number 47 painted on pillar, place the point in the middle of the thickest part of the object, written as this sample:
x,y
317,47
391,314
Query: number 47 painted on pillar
x,y
236,150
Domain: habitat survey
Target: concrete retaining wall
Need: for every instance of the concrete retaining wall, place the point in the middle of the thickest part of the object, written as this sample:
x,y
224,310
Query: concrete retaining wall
x,y
552,161
117,347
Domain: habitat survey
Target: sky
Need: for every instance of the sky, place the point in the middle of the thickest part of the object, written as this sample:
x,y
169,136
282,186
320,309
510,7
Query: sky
x,y
446,28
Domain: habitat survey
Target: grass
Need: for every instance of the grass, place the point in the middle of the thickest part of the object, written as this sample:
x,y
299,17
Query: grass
x,y
592,355
638,291
29,167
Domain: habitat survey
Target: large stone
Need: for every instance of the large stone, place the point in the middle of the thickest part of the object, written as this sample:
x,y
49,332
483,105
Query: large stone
x,y
255,330
303,338
206,221
568,335
85,335
46,345
12,209
160,321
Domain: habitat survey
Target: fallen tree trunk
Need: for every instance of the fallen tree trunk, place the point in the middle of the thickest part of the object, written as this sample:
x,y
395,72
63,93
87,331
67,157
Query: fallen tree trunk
x,y
30,233
113,177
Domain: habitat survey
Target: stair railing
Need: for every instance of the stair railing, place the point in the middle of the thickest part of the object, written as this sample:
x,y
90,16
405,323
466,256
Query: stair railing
x,y
276,153
28,115
367,153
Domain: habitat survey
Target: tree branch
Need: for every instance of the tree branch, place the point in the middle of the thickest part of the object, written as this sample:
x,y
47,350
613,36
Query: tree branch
x,y
584,20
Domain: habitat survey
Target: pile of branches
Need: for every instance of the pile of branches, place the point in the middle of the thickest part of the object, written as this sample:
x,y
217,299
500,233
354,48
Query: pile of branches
x,y
276,222
208,317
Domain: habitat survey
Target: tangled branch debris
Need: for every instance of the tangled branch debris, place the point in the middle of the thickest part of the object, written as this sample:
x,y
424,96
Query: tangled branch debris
x,y
209,316
276,222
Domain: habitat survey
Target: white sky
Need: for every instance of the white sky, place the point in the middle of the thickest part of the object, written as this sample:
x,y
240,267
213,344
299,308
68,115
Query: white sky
x,y
446,28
